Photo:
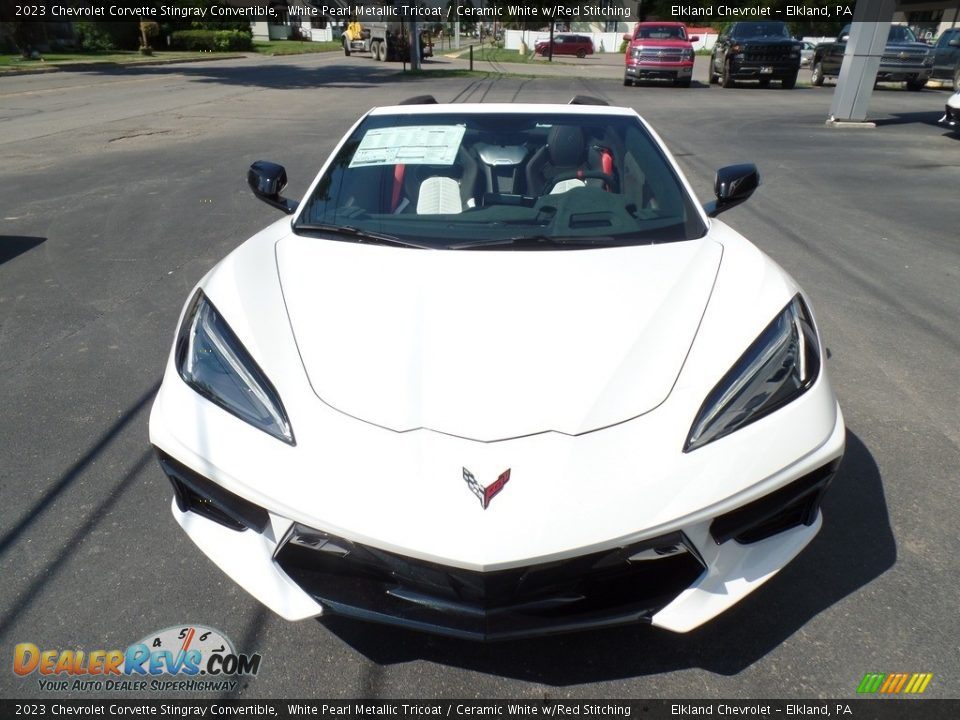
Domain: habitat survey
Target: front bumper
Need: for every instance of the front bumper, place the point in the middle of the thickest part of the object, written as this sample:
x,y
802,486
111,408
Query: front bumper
x,y
659,71
951,117
900,74
722,550
748,70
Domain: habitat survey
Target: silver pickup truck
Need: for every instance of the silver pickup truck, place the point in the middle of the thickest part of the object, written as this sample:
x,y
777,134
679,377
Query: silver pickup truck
x,y
905,59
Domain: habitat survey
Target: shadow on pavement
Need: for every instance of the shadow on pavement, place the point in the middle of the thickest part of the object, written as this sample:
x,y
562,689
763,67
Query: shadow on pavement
x,y
855,546
927,117
273,76
13,245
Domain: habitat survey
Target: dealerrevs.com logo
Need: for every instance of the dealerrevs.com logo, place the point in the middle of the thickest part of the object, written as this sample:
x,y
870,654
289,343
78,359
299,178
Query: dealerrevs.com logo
x,y
188,658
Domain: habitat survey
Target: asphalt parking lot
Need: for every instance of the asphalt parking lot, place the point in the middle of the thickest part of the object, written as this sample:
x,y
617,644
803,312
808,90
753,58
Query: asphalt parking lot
x,y
123,187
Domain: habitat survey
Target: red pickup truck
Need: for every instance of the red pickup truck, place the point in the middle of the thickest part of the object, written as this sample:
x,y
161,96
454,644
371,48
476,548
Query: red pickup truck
x,y
659,51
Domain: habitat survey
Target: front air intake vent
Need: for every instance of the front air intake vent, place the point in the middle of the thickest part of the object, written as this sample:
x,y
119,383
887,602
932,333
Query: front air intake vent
x,y
195,493
789,507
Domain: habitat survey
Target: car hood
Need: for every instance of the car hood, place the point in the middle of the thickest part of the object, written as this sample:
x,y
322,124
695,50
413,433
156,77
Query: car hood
x,y
490,345
907,45
767,39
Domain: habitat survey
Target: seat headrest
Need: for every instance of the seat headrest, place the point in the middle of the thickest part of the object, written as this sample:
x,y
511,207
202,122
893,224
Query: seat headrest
x,y
566,145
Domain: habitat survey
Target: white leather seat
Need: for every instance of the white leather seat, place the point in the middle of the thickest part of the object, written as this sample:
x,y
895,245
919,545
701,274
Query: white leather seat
x,y
439,196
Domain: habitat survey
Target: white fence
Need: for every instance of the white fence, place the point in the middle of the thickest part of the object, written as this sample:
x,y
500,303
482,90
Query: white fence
x,y
705,41
602,41
609,42
269,31
321,34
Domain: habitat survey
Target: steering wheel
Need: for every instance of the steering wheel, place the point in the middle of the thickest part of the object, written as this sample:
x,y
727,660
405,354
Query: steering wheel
x,y
608,179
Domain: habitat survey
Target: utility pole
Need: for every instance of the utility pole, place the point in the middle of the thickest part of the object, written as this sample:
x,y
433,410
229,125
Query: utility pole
x,y
456,26
414,46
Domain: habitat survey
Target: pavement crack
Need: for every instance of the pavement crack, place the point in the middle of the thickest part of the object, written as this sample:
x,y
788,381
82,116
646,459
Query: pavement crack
x,y
140,133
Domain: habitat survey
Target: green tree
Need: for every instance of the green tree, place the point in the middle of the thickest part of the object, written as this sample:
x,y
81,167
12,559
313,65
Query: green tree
x,y
22,35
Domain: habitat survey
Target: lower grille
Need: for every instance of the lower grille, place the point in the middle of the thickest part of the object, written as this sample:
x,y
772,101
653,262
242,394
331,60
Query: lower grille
x,y
768,53
612,586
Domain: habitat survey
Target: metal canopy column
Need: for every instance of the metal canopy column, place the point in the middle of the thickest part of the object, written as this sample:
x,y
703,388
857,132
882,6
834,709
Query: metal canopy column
x,y
861,60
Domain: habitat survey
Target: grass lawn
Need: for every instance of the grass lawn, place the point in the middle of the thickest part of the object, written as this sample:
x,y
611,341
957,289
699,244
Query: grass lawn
x,y
132,57
492,54
120,57
293,47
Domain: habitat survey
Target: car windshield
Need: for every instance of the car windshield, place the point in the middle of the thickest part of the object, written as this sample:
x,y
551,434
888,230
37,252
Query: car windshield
x,y
661,32
748,30
901,33
897,33
475,179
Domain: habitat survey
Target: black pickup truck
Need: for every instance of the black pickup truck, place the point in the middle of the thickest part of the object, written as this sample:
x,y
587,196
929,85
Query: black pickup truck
x,y
761,51
946,58
905,59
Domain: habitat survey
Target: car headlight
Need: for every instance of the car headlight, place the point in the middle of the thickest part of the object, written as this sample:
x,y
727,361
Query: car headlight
x,y
213,361
777,368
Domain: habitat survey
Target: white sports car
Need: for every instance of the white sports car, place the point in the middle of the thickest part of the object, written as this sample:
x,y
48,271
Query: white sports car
x,y
499,374
951,114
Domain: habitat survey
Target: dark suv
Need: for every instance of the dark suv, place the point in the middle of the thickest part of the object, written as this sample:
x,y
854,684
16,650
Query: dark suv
x,y
946,57
761,51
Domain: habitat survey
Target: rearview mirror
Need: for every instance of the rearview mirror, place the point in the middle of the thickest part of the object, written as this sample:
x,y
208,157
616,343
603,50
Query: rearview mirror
x,y
267,180
733,185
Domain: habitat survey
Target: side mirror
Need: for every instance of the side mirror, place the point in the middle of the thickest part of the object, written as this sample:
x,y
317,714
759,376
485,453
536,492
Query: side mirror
x,y
694,38
267,180
954,42
844,37
733,185
628,37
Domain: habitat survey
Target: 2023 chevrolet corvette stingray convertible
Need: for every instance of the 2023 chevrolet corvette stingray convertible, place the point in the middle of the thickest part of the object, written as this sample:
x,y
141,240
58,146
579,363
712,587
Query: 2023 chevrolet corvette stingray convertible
x,y
499,374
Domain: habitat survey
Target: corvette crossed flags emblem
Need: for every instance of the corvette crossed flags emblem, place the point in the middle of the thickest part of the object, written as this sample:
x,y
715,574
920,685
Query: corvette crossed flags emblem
x,y
486,494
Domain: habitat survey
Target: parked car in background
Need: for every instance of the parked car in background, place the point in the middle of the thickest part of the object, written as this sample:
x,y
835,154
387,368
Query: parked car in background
x,y
951,118
659,51
806,53
905,59
579,45
946,57
761,51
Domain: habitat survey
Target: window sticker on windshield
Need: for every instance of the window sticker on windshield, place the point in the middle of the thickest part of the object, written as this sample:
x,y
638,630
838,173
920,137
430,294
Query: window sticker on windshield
x,y
418,145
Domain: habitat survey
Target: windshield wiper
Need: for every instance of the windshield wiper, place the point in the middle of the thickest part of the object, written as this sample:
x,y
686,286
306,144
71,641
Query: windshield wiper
x,y
533,242
361,236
